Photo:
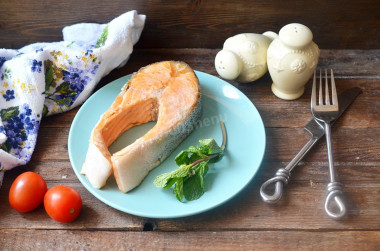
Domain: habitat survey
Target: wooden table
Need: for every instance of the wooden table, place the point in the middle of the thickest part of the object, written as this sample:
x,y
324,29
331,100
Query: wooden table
x,y
298,221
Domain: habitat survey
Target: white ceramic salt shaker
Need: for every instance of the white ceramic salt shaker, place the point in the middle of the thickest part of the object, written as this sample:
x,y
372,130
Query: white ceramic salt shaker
x,y
244,57
292,59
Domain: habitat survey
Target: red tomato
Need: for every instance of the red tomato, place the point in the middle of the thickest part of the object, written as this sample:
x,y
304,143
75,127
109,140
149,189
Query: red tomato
x,y
63,203
27,192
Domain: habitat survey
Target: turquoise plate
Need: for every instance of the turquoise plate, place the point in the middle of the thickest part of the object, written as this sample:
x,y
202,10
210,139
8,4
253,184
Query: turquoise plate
x,y
221,101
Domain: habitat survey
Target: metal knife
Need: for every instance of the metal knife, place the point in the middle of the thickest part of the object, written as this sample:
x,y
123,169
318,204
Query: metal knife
x,y
317,131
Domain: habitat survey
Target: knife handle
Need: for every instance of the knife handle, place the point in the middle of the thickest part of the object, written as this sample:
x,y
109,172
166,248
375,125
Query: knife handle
x,y
283,174
282,177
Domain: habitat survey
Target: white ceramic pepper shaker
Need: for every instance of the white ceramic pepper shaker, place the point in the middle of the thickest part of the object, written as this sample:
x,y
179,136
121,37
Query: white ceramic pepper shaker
x,y
292,59
244,57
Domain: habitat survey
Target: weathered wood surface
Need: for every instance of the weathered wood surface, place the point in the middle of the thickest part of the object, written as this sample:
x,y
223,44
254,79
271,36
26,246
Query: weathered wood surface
x,y
338,24
207,240
245,222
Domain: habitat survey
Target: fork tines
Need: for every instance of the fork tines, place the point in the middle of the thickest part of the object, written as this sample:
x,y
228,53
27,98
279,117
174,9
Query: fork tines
x,y
326,101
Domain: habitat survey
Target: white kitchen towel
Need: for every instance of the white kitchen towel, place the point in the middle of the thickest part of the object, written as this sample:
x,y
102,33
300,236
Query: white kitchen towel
x,y
42,79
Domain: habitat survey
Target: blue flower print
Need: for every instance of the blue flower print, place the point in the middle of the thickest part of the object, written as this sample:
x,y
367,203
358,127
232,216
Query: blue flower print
x,y
2,61
20,126
40,49
77,83
15,132
65,84
94,69
72,76
67,92
36,66
88,52
27,110
9,94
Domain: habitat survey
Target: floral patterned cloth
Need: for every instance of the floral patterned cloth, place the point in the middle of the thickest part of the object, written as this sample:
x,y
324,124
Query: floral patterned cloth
x,y
47,78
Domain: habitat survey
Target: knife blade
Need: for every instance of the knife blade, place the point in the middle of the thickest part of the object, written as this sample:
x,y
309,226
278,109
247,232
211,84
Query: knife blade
x,y
317,131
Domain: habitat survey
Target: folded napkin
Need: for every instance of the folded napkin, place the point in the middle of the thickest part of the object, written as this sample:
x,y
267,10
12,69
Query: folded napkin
x,y
42,79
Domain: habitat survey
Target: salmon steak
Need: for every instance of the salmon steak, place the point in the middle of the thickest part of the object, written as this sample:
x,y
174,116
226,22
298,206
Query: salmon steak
x,y
167,92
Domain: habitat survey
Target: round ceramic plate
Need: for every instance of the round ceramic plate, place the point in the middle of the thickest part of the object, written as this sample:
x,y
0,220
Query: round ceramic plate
x,y
244,151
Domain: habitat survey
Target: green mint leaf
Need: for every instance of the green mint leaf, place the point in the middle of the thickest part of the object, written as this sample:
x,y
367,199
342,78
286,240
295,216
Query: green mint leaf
x,y
162,180
193,187
188,179
203,168
220,156
181,172
166,179
189,155
182,158
170,182
211,145
178,189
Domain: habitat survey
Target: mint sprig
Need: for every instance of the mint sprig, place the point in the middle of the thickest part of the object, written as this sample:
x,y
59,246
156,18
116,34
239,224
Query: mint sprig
x,y
188,179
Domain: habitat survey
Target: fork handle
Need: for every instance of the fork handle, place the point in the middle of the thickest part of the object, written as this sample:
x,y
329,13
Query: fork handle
x,y
334,188
330,152
334,192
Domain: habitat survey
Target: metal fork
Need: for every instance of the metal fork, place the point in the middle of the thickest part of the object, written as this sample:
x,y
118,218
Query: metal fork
x,y
327,111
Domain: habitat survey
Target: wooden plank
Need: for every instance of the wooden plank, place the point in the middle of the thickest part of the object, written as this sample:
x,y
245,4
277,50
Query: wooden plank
x,y
352,145
202,24
302,207
351,62
20,239
346,63
276,112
